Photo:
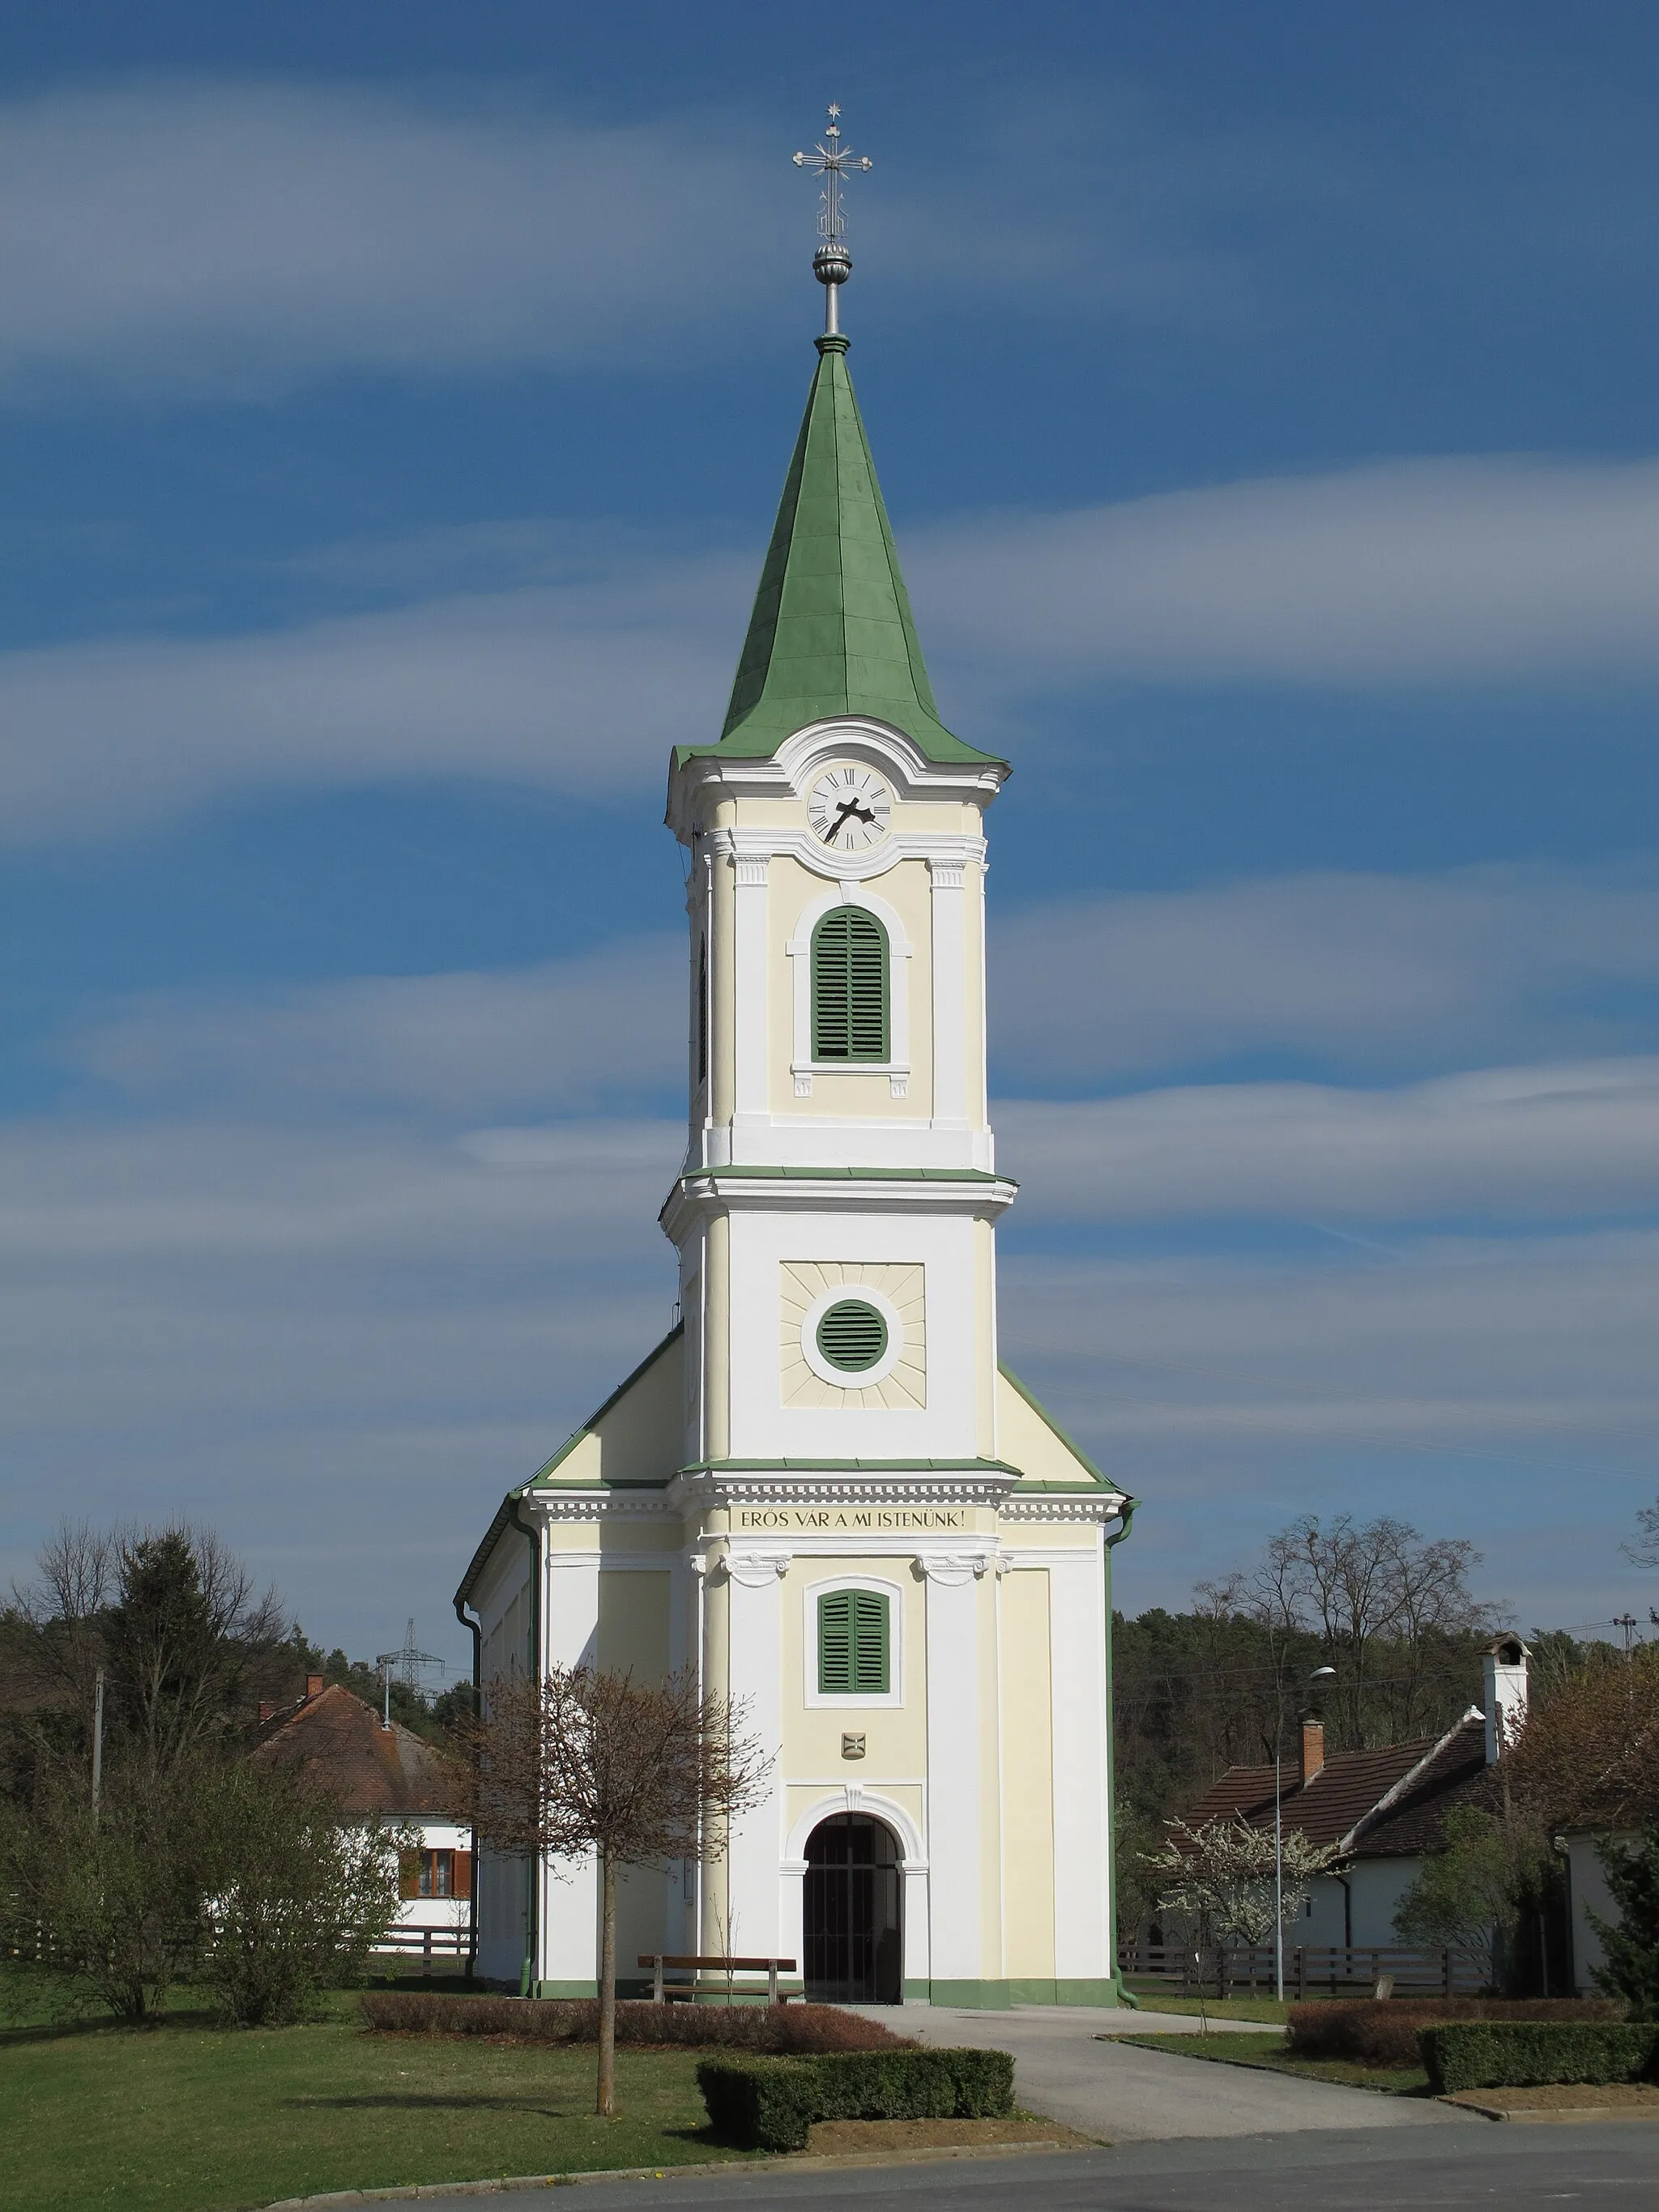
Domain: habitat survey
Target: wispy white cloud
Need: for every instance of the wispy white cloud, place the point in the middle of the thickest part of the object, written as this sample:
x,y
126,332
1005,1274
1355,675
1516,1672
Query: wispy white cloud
x,y
238,236
1429,571
1529,1143
583,685
600,1027
1367,973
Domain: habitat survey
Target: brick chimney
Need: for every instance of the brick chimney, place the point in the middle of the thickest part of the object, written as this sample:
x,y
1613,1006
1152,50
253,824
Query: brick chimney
x,y
1313,1748
267,1710
313,1686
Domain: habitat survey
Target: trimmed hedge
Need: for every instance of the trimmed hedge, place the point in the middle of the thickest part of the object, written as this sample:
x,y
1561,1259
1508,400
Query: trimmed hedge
x,y
768,2104
774,2028
1373,2034
1517,2054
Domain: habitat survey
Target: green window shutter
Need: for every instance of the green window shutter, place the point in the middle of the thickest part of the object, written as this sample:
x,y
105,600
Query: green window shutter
x,y
853,1645
849,985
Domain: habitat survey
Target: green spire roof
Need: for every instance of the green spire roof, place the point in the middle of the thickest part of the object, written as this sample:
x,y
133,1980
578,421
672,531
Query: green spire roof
x,y
831,632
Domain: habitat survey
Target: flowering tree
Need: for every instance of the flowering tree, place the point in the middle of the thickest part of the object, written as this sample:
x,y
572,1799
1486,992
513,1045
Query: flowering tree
x,y
1223,1872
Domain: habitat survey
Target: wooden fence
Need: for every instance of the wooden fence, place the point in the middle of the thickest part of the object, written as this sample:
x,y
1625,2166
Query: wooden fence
x,y
1310,1969
428,1943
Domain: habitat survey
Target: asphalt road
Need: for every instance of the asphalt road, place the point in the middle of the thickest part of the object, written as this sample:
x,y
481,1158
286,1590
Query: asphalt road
x,y
1611,2165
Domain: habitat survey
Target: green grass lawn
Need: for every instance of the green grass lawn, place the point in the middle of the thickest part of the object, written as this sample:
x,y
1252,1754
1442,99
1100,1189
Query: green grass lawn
x,y
1262,2007
1269,2052
194,2118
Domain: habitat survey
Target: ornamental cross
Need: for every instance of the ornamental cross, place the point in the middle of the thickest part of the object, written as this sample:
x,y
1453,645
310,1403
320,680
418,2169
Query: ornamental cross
x,y
832,264
833,162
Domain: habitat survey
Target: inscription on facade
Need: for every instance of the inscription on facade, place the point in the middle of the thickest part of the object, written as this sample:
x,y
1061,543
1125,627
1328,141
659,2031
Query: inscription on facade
x,y
897,1517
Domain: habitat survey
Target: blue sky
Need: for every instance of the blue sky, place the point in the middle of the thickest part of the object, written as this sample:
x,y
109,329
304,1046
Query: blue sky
x,y
392,407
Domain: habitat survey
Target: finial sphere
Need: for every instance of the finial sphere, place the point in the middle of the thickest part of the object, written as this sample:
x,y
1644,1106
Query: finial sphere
x,y
832,264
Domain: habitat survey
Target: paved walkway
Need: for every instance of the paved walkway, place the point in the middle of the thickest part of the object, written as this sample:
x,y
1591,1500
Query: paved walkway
x,y
1122,2095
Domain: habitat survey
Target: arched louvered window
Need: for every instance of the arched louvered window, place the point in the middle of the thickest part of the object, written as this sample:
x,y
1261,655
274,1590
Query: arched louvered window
x,y
853,1645
849,985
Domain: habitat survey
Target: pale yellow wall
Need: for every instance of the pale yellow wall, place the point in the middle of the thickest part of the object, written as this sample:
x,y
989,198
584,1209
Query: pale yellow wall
x,y
896,1737
639,1437
907,889
1025,1440
634,1623
1027,1777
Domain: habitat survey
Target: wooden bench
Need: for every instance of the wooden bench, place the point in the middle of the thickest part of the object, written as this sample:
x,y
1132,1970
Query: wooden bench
x,y
659,1961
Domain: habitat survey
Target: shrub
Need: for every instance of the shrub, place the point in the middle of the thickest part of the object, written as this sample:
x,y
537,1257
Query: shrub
x,y
1630,1944
768,2104
1373,2034
774,2029
764,2104
1515,2054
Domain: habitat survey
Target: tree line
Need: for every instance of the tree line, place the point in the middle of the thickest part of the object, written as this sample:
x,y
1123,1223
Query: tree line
x,y
139,1845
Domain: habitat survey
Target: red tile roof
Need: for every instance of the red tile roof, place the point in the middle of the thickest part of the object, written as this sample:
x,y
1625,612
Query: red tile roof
x,y
1348,1788
1456,1773
337,1740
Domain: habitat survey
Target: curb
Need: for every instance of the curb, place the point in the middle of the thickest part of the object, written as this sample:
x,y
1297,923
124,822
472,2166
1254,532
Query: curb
x,y
790,2163
1546,2115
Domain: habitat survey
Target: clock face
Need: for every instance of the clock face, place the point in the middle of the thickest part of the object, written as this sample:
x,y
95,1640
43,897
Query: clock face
x,y
850,808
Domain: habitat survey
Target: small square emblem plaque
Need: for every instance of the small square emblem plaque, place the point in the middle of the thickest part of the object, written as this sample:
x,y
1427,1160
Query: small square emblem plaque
x,y
852,1746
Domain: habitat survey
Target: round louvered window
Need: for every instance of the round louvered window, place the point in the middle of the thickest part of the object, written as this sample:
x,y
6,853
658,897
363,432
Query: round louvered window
x,y
853,1335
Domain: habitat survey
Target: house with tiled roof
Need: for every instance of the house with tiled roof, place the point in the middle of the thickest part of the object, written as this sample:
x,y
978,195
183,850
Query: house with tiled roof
x,y
371,1764
1382,1811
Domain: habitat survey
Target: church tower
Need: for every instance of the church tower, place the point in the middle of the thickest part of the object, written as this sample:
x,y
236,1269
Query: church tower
x,y
823,1491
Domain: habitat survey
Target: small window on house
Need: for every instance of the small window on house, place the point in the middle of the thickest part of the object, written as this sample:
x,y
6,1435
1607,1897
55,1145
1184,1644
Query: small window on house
x,y
849,985
853,1645
435,1873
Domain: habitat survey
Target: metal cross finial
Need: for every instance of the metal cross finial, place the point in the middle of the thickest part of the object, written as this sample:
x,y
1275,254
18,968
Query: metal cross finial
x,y
832,264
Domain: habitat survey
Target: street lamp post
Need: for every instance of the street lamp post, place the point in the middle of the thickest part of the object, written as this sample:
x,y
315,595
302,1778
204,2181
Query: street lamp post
x,y
1319,1675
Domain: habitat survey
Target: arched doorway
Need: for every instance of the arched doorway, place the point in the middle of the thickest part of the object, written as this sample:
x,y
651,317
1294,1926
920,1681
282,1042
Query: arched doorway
x,y
853,1941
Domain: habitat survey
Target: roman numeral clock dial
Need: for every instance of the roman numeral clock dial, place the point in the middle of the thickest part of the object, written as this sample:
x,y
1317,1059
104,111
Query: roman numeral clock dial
x,y
849,809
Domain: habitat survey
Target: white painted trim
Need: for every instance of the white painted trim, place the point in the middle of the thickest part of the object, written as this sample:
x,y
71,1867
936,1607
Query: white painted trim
x,y
894,1594
568,1905
864,1799
838,1377
950,993
749,992
755,1634
954,1721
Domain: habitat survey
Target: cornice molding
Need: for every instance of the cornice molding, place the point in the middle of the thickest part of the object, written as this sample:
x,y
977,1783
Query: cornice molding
x,y
706,1490
1074,1512
789,768
748,849
711,1189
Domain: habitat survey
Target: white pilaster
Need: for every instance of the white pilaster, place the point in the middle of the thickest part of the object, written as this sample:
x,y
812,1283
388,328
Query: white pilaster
x,y
954,1805
568,1914
749,988
949,996
756,1604
1077,1671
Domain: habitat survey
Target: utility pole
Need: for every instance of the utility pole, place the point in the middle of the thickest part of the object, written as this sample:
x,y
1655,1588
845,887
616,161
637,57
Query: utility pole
x,y
97,1743
1628,1622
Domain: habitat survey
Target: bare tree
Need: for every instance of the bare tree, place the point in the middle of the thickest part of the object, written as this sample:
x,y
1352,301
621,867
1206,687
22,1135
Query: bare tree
x,y
171,1614
1381,1598
590,1761
1588,1755
1643,1550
